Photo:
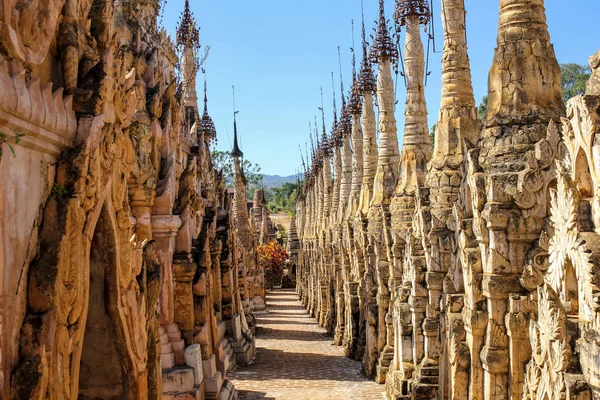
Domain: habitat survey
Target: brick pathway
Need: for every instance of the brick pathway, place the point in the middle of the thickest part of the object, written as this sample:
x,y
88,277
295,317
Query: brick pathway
x,y
296,360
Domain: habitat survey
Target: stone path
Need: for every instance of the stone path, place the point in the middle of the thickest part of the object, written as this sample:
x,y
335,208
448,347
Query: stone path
x,y
296,360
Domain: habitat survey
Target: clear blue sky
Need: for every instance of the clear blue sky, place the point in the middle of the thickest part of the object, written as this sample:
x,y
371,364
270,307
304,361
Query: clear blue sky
x,y
279,52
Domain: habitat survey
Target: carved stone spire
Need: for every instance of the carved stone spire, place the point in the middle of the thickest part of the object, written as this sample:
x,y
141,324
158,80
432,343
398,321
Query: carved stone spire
x,y
319,184
337,159
345,131
416,149
293,242
354,104
357,139
383,53
524,95
240,204
188,41
457,131
524,81
326,174
345,124
367,85
458,114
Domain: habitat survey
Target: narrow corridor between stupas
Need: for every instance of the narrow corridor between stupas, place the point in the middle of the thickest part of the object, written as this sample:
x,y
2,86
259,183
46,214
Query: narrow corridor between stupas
x,y
426,248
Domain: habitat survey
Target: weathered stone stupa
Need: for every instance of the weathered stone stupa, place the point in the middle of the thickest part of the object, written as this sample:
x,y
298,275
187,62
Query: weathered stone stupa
x,y
469,267
124,272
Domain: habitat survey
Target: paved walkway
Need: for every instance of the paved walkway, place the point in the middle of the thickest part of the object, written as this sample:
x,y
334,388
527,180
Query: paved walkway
x,y
296,360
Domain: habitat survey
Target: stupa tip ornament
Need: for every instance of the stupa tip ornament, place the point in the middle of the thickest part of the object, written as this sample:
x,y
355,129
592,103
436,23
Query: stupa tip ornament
x,y
383,46
345,124
327,148
236,152
355,102
207,126
187,32
325,143
366,79
406,8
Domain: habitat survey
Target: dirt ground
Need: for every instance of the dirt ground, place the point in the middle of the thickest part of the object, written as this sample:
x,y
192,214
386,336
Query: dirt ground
x,y
283,219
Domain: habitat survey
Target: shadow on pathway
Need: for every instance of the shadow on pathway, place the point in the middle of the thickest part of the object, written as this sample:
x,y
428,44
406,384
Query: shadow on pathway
x,y
296,360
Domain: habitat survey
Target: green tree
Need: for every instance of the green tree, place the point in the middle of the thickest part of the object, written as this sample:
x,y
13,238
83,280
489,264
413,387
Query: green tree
x,y
573,78
223,161
283,198
482,109
432,134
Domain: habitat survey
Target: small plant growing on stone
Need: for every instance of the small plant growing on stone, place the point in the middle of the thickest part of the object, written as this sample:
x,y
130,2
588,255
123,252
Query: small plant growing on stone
x,y
59,190
4,139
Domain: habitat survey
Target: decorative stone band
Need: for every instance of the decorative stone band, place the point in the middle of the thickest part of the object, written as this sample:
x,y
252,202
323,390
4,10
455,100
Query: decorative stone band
x,y
46,118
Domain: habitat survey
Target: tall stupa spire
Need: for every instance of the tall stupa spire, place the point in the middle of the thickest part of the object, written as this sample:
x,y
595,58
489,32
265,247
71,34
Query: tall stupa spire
x,y
457,93
523,84
383,53
354,105
326,145
524,95
235,152
356,152
336,140
345,124
207,126
366,79
335,126
326,172
188,42
416,148
367,86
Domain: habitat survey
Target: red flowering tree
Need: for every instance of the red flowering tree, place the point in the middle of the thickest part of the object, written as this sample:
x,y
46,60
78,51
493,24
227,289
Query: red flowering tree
x,y
272,257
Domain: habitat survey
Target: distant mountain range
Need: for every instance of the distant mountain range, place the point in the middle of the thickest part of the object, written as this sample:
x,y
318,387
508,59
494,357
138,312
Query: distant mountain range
x,y
271,181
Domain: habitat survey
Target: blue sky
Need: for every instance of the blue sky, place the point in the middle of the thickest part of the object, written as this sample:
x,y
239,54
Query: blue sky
x,y
278,53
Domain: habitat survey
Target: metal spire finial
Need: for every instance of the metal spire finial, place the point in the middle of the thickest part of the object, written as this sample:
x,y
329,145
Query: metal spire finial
x,y
302,158
354,106
236,152
335,140
341,79
207,126
353,55
326,143
313,151
320,143
345,125
407,8
205,95
326,147
187,33
383,46
335,120
366,79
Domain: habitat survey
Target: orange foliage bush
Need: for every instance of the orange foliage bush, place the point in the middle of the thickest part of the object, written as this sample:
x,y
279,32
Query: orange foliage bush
x,y
272,257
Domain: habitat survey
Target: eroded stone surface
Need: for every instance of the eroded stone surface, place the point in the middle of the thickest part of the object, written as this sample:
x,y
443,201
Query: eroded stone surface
x,y
119,245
